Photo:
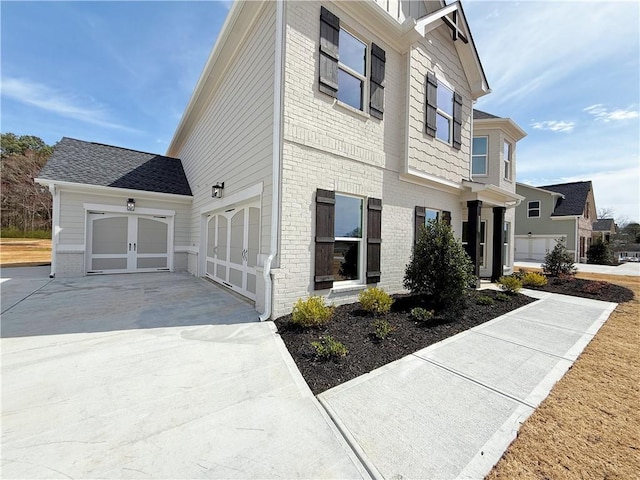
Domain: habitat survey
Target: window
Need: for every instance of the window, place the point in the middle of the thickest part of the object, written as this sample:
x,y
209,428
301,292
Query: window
x,y
352,70
347,252
443,112
431,215
506,230
479,156
533,209
507,160
347,71
483,238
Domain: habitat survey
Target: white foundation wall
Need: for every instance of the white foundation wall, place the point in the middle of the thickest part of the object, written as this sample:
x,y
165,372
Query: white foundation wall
x,y
232,141
70,250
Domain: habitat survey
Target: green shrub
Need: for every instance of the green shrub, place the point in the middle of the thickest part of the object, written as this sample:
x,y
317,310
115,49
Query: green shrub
x,y
375,300
559,261
440,267
382,329
502,297
422,314
484,300
510,284
533,279
328,348
599,253
311,312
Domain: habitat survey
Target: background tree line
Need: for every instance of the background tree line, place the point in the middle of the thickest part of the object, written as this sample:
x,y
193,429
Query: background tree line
x,y
25,206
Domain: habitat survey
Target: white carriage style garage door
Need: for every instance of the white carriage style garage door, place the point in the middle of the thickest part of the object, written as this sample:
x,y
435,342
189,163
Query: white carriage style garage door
x,y
233,239
535,247
122,243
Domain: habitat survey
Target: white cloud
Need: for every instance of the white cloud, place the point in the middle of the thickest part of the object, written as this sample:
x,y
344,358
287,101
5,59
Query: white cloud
x,y
602,113
554,126
60,103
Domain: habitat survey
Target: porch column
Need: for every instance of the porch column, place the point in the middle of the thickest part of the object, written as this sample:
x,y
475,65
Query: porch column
x,y
498,231
474,208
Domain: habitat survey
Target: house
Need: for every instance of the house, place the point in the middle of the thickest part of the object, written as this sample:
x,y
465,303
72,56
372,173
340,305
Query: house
x,y
552,212
603,229
319,138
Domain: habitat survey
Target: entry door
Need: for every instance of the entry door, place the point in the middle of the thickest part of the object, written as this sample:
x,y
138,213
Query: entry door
x,y
233,239
127,243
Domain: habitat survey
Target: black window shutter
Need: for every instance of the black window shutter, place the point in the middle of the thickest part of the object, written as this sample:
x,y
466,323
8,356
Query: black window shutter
x,y
376,103
325,238
457,120
432,104
418,222
329,41
446,217
374,239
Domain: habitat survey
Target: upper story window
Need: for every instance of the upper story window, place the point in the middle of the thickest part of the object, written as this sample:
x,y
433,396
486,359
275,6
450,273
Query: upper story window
x,y
507,161
533,209
479,155
350,69
443,112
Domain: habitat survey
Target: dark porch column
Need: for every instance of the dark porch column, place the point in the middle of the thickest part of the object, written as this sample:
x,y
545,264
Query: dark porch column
x,y
498,232
474,208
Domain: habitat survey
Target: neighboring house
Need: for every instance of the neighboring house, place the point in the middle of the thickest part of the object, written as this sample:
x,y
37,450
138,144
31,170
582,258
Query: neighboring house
x,y
319,138
603,229
552,212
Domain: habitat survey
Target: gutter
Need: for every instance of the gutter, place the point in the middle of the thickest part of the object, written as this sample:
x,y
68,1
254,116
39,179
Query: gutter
x,y
278,100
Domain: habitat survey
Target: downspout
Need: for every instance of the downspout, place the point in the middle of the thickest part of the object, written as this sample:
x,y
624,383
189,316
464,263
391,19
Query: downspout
x,y
278,85
55,237
577,253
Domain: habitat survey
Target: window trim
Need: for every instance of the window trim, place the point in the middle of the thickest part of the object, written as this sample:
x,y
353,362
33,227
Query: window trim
x,y
364,91
506,237
362,248
483,240
485,155
507,160
530,208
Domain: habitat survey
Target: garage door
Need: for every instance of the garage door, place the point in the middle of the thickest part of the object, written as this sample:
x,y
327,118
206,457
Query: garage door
x,y
119,243
533,248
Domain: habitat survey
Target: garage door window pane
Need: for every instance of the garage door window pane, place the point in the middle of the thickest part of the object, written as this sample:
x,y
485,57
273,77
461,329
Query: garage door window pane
x,y
152,236
110,236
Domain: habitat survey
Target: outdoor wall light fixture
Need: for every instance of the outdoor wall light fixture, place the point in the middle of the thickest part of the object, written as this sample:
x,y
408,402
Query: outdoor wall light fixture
x,y
216,190
529,234
131,205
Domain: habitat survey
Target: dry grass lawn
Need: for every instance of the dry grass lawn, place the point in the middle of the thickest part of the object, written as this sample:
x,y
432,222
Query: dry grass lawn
x,y
589,426
24,251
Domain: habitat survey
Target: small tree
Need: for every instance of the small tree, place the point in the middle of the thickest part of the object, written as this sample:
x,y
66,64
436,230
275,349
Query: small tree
x,y
599,253
439,267
559,261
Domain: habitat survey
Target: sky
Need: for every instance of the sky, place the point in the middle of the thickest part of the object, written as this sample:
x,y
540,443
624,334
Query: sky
x,y
122,73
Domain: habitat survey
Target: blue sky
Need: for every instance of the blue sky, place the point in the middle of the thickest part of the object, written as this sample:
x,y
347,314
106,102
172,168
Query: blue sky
x,y
122,73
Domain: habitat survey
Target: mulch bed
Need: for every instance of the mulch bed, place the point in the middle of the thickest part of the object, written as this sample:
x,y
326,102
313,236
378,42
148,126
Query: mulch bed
x,y
353,327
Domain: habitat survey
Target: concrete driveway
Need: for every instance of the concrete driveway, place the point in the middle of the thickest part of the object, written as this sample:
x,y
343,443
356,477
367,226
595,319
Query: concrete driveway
x,y
153,376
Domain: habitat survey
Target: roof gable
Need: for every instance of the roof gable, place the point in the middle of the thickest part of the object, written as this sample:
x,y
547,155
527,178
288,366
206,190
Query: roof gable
x,y
574,198
89,163
604,225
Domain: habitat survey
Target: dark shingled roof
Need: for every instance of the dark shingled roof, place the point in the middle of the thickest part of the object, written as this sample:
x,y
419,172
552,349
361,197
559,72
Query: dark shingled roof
x,y
91,163
575,197
603,225
480,115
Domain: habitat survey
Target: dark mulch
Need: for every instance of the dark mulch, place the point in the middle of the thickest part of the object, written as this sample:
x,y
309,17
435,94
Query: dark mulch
x,y
353,327
579,287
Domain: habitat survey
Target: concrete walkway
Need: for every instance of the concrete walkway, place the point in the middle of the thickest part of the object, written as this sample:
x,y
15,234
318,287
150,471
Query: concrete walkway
x,y
153,376
452,409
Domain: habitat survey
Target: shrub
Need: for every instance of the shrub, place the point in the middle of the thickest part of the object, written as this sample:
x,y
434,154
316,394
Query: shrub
x,y
439,267
559,261
510,284
311,312
375,300
502,297
422,314
594,287
533,279
599,253
382,329
328,348
484,300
